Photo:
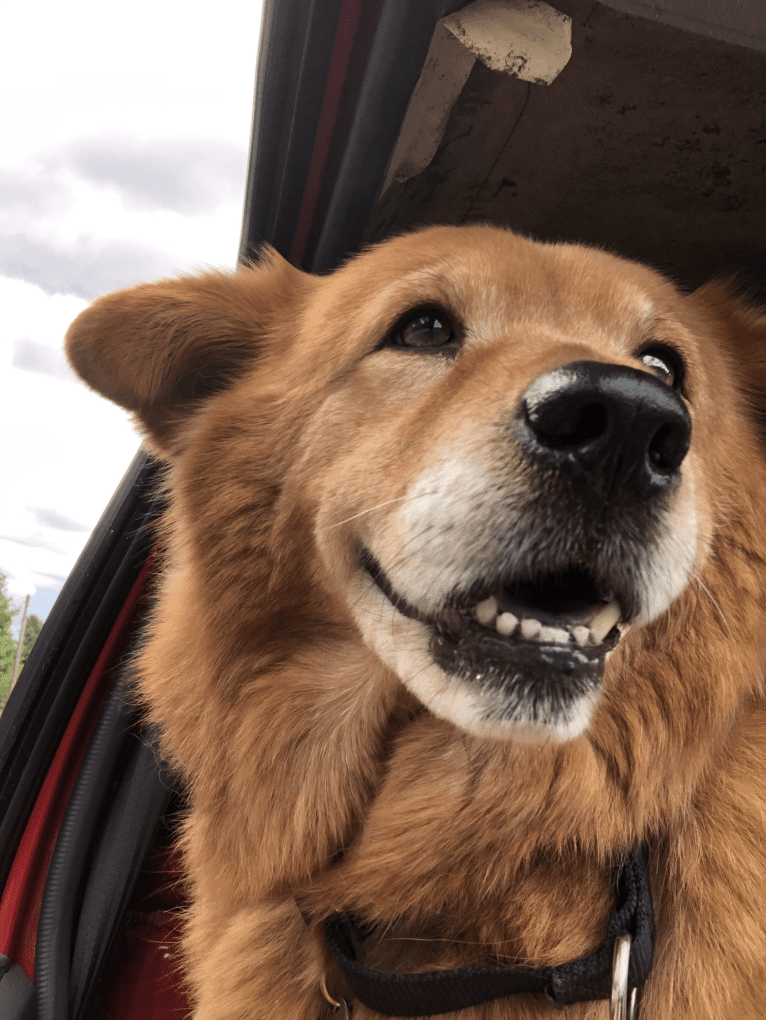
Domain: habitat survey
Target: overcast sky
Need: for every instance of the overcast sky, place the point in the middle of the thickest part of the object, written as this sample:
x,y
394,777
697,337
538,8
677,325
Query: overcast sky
x,y
125,131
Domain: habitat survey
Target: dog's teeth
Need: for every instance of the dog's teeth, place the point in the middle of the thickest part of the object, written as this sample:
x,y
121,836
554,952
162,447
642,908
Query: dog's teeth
x,y
603,622
506,624
553,635
530,629
488,614
486,611
581,635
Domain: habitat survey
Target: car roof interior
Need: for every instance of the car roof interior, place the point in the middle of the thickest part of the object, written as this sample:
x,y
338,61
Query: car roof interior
x,y
649,142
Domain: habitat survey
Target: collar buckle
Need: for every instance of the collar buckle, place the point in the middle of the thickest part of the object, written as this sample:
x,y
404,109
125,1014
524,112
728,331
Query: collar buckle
x,y
623,1004
340,1007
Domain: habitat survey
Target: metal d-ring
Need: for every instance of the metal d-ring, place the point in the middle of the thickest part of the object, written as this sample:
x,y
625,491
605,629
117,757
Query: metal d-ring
x,y
339,1007
623,1004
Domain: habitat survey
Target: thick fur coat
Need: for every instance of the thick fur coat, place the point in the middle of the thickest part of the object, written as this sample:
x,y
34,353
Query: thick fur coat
x,y
355,464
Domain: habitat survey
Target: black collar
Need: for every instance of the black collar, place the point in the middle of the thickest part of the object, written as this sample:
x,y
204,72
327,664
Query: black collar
x,y
581,980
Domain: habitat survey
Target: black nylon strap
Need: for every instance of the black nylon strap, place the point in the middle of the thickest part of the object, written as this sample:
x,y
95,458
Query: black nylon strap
x,y
581,980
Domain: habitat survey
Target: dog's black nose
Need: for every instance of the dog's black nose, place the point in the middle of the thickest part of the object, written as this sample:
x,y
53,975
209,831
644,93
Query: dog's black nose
x,y
611,425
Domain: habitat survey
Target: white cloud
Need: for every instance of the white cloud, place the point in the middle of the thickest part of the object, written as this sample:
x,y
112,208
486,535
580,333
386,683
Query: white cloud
x,y
32,356
28,194
56,520
89,267
26,311
123,158
65,449
157,67
185,175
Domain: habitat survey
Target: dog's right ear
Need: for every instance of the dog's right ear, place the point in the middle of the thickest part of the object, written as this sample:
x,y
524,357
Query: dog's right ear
x,y
740,328
160,349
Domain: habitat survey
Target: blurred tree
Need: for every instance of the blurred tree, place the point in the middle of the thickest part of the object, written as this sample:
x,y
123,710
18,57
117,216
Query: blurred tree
x,y
7,645
32,629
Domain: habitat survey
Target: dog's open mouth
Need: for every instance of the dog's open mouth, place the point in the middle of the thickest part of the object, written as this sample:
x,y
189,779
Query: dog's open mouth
x,y
562,609
549,636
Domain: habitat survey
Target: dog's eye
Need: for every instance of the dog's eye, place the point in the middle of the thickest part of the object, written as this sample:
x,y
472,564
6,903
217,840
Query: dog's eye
x,y
424,329
664,362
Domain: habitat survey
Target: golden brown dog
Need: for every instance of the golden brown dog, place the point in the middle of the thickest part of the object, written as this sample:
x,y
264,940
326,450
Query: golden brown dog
x,y
464,595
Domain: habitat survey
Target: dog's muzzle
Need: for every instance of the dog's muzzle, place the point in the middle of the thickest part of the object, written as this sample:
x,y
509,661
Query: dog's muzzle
x,y
564,566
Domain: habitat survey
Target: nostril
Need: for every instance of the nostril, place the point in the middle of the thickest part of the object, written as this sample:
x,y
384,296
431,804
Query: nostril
x,y
568,423
668,447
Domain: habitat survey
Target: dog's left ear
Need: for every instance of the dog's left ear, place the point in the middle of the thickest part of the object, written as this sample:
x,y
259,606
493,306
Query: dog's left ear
x,y
161,349
740,327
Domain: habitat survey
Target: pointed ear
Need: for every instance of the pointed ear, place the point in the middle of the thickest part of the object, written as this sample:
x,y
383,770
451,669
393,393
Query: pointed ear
x,y
159,349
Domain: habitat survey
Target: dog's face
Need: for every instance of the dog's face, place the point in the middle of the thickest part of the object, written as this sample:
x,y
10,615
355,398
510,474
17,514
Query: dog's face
x,y
501,460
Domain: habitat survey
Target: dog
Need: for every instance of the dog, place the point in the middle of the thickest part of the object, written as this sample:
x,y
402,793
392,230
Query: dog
x,y
464,596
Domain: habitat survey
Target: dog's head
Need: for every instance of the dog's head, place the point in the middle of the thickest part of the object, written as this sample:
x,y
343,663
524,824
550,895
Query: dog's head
x,y
500,459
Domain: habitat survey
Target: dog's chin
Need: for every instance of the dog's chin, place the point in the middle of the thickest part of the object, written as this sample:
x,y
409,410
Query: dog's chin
x,y
537,683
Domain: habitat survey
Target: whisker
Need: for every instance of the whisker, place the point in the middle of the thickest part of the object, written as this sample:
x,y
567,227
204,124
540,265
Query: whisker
x,y
369,510
457,942
720,611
